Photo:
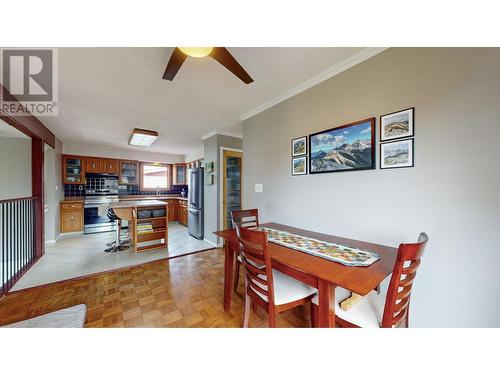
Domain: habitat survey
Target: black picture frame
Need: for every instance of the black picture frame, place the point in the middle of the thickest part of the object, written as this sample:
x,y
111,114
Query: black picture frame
x,y
305,146
411,134
305,166
412,148
372,165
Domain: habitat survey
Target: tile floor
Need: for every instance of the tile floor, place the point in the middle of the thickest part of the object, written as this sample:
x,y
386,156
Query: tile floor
x,y
84,255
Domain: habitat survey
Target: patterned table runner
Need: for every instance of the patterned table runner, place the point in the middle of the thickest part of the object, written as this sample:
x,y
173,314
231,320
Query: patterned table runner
x,y
345,255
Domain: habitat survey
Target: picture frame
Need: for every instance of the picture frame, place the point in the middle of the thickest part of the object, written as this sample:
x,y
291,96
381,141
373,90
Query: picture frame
x,y
209,166
397,125
299,166
299,146
397,154
349,147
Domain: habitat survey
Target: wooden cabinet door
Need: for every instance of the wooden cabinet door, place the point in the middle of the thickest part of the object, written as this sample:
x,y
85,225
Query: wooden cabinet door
x,y
179,174
73,170
171,211
93,165
110,166
71,221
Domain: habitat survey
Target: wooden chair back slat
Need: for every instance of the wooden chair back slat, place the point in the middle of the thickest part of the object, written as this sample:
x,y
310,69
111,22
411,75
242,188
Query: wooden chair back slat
x,y
397,303
253,247
245,218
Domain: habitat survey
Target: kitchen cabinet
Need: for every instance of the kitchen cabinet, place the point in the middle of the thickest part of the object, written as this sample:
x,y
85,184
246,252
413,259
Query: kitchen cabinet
x,y
73,169
71,217
183,212
179,174
93,165
173,208
110,166
129,172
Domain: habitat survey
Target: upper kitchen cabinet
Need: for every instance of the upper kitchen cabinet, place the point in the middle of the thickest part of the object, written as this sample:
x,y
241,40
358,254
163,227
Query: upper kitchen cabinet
x,y
179,174
129,172
93,165
73,169
110,166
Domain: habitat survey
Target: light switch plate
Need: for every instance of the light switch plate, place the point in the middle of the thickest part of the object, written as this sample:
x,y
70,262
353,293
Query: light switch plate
x,y
259,188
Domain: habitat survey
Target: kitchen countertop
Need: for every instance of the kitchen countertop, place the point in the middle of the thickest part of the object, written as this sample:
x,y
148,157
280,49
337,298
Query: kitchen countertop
x,y
150,197
130,198
137,203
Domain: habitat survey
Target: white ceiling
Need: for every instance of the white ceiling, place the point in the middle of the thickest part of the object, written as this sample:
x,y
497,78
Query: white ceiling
x,y
106,92
9,131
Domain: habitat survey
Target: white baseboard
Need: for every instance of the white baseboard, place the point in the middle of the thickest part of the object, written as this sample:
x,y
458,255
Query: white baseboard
x,y
53,241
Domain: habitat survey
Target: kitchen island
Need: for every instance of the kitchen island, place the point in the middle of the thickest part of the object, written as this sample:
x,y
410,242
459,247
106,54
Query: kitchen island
x,y
148,222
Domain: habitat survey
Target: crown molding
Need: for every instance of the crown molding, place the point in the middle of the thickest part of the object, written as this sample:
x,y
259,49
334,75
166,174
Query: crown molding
x,y
357,58
222,132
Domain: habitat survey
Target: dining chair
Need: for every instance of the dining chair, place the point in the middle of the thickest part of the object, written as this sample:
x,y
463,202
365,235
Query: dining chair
x,y
270,289
386,309
242,219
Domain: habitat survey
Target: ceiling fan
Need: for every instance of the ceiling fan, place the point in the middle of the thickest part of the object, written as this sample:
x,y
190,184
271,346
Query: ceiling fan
x,y
220,54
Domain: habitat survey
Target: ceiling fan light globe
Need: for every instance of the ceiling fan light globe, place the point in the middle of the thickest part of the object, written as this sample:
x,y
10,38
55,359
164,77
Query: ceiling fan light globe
x,y
196,51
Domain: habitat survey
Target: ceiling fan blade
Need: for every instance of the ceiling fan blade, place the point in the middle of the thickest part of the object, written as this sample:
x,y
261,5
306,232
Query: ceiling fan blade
x,y
174,64
223,56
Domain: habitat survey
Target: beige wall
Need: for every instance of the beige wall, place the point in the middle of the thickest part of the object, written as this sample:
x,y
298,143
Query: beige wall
x,y
452,193
53,191
212,202
15,167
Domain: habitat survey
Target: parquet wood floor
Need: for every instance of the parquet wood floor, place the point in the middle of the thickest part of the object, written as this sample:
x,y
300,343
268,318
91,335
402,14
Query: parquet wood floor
x,y
181,292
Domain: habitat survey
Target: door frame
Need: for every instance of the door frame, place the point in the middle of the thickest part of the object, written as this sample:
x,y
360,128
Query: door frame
x,y
221,181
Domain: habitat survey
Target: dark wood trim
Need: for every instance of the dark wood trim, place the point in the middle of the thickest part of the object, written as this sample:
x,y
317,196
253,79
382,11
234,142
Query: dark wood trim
x,y
17,199
37,166
29,125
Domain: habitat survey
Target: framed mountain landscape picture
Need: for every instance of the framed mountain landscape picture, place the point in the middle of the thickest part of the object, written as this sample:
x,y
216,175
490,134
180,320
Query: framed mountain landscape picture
x,y
349,147
397,125
299,146
396,154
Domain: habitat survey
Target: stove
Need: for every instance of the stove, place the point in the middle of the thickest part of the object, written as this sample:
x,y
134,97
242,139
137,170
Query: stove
x,y
96,206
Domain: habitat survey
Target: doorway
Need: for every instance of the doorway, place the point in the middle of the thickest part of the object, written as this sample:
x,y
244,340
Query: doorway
x,y
232,163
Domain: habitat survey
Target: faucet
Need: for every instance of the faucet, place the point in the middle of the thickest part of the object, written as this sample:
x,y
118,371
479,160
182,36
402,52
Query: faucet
x,y
157,191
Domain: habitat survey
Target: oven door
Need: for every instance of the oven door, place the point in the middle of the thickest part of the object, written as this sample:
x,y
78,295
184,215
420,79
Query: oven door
x,y
95,223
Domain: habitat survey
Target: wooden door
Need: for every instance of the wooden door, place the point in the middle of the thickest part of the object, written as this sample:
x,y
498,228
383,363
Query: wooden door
x,y
110,166
93,165
232,163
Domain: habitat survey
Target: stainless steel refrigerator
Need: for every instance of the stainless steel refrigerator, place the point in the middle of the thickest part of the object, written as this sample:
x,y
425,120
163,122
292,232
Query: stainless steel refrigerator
x,y
195,203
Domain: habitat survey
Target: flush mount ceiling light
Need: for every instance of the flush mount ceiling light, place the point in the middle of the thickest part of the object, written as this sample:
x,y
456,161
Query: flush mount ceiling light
x,y
196,51
142,137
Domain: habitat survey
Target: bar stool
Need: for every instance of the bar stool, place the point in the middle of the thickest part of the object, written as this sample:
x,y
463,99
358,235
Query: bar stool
x,y
119,244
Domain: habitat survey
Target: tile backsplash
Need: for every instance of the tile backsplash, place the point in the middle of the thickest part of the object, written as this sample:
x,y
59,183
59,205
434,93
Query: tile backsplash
x,y
74,190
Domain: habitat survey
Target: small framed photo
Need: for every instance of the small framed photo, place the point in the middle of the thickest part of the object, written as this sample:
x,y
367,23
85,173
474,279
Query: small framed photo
x,y
209,167
299,166
299,146
397,154
397,125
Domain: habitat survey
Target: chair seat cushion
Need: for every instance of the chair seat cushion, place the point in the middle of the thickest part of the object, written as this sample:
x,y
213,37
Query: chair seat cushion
x,y
366,313
286,289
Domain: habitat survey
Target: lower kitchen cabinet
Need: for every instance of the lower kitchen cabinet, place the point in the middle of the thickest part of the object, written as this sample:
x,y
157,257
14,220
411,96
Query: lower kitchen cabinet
x,y
173,207
71,217
183,212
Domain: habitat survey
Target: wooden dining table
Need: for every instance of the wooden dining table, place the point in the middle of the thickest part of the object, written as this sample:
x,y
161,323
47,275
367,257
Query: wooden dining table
x,y
320,273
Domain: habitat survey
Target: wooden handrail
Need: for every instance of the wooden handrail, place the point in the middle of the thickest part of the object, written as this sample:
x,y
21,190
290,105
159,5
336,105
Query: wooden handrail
x,y
18,199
